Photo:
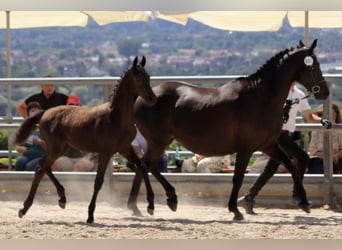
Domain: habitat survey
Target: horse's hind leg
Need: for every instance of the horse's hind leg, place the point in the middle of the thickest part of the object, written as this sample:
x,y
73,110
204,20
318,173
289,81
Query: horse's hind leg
x,y
172,200
59,187
141,172
299,190
103,161
269,171
39,173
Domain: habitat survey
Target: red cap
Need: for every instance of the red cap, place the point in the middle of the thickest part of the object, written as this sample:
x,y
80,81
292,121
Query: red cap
x,y
73,100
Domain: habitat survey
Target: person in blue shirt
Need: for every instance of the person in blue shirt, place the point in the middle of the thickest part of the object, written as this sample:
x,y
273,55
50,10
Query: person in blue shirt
x,y
33,148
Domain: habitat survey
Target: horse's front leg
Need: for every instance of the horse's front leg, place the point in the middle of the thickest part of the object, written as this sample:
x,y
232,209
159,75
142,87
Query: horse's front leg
x,y
38,175
102,165
242,160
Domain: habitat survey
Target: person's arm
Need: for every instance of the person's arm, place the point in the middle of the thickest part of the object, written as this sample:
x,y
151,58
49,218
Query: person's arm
x,y
312,118
21,148
21,109
39,142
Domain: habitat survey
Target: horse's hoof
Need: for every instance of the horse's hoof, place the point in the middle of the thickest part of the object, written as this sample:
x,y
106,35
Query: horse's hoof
x,y
90,220
150,211
172,205
305,207
21,213
62,204
137,213
238,216
248,204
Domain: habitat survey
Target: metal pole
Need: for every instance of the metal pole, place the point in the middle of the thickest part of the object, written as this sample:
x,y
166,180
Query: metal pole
x,y
9,87
306,29
328,155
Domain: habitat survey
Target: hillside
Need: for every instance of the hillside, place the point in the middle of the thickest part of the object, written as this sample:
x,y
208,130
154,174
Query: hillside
x,y
171,49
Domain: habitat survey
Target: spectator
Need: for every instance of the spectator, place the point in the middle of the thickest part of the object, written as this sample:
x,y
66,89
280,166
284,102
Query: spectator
x,y
139,145
260,163
33,149
47,98
204,164
316,148
75,160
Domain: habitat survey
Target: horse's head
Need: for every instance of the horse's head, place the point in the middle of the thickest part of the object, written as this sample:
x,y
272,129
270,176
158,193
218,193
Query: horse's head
x,y
310,74
141,81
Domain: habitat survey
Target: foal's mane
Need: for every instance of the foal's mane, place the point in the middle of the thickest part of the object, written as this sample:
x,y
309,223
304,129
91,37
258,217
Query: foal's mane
x,y
266,70
115,88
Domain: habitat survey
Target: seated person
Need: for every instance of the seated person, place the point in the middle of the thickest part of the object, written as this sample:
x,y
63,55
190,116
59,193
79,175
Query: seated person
x,y
75,160
316,149
139,145
204,164
33,148
260,163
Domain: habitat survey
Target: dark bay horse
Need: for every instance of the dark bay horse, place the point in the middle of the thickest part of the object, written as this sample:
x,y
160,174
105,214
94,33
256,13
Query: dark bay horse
x,y
104,129
242,116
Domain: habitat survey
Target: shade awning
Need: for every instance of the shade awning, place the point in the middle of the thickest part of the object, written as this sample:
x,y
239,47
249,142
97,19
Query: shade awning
x,y
32,19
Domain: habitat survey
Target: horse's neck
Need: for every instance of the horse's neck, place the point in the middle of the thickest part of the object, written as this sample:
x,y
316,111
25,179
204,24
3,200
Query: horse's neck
x,y
281,83
122,106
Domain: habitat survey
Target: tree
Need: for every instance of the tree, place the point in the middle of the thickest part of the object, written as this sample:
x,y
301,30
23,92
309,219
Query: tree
x,y
129,46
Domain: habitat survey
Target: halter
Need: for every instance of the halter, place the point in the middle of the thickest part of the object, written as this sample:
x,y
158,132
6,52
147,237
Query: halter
x,y
309,62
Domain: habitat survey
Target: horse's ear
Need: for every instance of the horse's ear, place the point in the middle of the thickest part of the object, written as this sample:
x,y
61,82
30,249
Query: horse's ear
x,y
135,61
301,44
143,61
313,45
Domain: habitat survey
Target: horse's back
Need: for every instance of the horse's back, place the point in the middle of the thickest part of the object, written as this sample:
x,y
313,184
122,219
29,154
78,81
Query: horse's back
x,y
200,118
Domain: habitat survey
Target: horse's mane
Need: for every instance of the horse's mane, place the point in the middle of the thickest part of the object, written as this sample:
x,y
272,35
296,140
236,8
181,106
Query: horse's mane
x,y
272,64
115,88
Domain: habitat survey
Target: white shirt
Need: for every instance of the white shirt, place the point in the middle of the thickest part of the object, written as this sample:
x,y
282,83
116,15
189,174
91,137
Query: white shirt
x,y
295,108
140,141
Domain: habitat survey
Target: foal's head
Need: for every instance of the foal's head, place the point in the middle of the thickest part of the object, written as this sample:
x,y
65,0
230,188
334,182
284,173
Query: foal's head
x,y
140,81
310,75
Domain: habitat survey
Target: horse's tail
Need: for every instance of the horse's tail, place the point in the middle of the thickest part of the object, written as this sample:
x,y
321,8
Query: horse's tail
x,y
27,127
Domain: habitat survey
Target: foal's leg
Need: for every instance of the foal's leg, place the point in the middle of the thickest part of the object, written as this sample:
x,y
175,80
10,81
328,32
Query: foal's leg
x,y
38,175
59,187
101,169
141,172
242,160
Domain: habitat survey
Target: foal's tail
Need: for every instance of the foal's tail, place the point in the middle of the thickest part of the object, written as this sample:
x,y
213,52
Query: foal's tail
x,y
27,127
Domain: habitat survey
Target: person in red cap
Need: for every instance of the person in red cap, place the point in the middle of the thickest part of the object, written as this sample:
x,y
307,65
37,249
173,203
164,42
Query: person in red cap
x,y
73,100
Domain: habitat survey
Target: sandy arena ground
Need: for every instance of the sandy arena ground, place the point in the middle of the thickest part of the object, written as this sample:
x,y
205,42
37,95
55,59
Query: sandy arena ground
x,y
48,221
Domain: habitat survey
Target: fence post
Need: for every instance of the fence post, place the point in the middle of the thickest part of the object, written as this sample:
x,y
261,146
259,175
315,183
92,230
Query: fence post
x,y
328,155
